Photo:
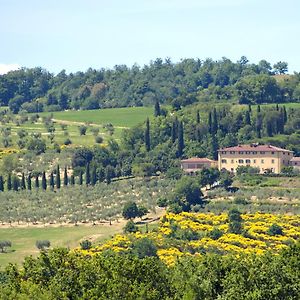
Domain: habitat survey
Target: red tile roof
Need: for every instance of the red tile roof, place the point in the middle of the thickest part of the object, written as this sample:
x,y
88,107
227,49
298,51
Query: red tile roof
x,y
255,147
197,160
295,158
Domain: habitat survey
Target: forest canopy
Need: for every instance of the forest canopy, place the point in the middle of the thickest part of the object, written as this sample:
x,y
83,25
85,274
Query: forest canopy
x,y
178,84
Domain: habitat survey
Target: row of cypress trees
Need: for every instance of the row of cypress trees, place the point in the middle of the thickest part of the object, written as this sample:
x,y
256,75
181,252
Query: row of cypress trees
x,y
54,181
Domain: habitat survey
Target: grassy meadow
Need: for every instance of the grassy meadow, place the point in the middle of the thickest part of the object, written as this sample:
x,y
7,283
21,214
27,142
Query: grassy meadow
x,y
23,239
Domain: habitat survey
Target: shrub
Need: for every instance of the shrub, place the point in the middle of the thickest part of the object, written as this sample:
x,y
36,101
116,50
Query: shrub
x,y
67,142
42,244
4,244
215,234
98,139
275,229
144,247
130,227
86,244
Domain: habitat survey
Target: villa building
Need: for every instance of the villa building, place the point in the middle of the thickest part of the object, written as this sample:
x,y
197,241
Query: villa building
x,y
295,162
266,158
194,164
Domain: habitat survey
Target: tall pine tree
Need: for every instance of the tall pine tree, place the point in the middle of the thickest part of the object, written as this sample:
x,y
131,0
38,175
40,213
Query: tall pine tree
x,y
23,185
66,179
1,184
58,182
44,181
51,181
29,182
180,145
9,186
147,136
157,111
87,174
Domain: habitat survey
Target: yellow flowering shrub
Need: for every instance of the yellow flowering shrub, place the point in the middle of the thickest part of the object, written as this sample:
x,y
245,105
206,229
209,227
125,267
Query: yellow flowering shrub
x,y
191,234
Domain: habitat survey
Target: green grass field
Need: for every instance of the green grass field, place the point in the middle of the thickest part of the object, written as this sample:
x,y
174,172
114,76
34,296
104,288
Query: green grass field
x,y
23,239
119,117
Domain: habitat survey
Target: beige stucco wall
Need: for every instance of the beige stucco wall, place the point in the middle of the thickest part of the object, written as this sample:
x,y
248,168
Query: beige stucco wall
x,y
267,160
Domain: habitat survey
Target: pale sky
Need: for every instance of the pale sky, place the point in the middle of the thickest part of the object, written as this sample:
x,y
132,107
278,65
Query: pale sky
x,y
78,34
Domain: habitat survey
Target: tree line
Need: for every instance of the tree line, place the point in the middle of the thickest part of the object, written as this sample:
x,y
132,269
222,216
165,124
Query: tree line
x,y
63,274
178,84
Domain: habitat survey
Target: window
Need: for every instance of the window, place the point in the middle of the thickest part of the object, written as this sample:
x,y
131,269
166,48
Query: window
x,y
273,152
199,166
241,161
254,161
223,152
262,152
247,152
273,161
241,152
224,161
254,152
262,161
232,169
232,152
191,166
248,161
232,161
288,153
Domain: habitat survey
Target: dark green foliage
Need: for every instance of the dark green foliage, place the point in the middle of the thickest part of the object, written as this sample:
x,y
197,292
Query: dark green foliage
x,y
42,244
72,179
87,174
44,181
144,247
235,221
57,178
109,174
130,227
180,143
147,136
66,178
275,229
94,176
51,180
215,234
22,184
29,182
15,183
59,274
85,245
9,184
37,182
198,117
1,184
157,111
80,178
4,244
130,210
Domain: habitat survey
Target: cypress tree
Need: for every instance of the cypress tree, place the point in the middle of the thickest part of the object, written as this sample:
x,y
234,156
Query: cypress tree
x,y
66,179
258,126
101,174
9,182
157,111
215,124
87,174
174,130
51,181
29,182
285,117
58,183
37,183
198,117
23,185
258,108
250,108
1,184
147,136
180,145
269,128
15,183
72,179
277,107
80,178
214,147
94,176
44,181
210,127
109,174
247,118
